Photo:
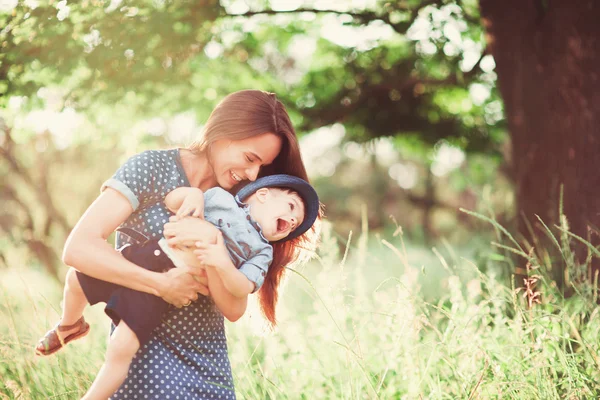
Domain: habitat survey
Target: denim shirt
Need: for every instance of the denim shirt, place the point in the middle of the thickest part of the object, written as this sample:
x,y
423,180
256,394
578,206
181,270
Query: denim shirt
x,y
249,250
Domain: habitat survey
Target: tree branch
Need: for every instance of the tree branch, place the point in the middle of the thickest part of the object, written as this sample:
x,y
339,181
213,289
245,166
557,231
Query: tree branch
x,y
39,188
363,17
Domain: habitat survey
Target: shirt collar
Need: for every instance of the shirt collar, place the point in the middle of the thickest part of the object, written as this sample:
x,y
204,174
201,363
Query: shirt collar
x,y
246,208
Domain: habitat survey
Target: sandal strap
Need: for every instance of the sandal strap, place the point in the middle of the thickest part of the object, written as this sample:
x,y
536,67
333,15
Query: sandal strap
x,y
77,324
50,340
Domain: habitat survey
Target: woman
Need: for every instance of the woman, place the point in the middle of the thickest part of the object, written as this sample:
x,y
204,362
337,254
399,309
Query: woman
x,y
248,134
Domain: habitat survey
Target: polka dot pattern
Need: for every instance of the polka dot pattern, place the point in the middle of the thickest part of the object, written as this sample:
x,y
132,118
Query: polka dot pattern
x,y
186,358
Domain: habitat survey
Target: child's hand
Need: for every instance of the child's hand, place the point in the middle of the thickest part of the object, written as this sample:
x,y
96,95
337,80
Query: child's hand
x,y
192,205
188,231
213,254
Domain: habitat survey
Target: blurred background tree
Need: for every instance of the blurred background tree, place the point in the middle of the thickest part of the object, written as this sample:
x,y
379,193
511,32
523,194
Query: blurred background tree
x,y
396,103
548,57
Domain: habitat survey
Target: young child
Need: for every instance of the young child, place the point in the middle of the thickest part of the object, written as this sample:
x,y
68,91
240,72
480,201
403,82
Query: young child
x,y
271,209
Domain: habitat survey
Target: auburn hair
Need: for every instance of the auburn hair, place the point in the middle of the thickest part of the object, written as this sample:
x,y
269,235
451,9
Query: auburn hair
x,y
245,114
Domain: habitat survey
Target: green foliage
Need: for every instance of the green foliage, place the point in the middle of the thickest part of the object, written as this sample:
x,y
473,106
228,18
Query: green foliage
x,y
168,57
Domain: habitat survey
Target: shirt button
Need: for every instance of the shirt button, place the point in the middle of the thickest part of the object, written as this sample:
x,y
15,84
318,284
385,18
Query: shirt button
x,y
263,273
157,253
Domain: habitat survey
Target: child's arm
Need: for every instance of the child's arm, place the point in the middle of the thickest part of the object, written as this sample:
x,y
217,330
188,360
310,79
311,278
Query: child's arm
x,y
232,308
234,281
186,201
215,255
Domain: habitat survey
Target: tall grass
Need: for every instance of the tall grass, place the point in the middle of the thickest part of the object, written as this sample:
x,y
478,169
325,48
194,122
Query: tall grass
x,y
382,320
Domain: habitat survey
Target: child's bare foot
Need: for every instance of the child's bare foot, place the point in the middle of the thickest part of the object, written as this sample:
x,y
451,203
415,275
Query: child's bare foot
x,y
59,336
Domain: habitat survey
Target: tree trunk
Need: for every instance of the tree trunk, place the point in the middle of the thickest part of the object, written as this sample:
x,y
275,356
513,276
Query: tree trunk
x,y
547,55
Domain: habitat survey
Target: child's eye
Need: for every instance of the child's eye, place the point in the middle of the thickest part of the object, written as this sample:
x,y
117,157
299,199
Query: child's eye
x,y
291,206
249,159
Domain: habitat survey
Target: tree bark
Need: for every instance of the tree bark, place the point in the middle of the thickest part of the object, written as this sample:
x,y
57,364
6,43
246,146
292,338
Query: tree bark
x,y
547,55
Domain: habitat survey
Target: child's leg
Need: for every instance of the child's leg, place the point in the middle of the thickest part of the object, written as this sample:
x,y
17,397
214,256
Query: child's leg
x,y
72,325
122,347
74,302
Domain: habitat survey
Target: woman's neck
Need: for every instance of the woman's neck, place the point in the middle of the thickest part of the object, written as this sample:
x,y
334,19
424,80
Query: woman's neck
x,y
198,170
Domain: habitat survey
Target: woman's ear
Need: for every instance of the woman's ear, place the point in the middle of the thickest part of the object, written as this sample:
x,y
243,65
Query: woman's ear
x,y
262,194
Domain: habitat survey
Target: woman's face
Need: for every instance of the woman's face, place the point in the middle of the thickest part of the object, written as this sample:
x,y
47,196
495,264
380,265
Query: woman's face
x,y
236,160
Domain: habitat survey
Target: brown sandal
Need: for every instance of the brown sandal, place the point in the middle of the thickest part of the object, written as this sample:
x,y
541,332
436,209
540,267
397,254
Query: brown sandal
x,y
51,342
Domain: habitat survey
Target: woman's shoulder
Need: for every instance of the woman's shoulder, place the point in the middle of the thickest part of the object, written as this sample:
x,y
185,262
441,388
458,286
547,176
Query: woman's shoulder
x,y
167,155
160,167
153,160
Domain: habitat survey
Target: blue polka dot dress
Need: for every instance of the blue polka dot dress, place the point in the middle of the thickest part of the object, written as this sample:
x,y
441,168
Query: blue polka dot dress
x,y
186,358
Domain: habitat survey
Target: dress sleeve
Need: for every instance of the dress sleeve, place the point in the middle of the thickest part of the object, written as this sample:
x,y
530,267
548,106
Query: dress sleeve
x,y
256,267
135,179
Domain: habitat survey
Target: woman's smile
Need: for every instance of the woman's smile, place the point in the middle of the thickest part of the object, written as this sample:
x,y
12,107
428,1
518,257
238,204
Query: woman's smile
x,y
236,177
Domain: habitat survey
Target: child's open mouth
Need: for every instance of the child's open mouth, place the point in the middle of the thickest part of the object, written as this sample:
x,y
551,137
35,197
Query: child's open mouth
x,y
282,225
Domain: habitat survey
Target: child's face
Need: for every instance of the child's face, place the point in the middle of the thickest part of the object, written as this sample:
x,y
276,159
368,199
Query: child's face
x,y
277,211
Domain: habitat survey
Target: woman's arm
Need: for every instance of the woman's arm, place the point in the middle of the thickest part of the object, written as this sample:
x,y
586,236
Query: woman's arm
x,y
86,250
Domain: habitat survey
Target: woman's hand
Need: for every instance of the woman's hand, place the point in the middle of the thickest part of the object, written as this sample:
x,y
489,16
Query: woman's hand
x,y
188,231
182,285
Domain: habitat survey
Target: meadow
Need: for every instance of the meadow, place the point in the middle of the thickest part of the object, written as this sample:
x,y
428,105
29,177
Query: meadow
x,y
379,319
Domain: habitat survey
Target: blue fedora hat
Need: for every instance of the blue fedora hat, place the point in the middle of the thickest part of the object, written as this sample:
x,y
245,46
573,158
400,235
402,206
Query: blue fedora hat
x,y
303,188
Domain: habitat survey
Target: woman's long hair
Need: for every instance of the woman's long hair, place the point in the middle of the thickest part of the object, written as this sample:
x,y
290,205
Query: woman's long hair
x,y
245,114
